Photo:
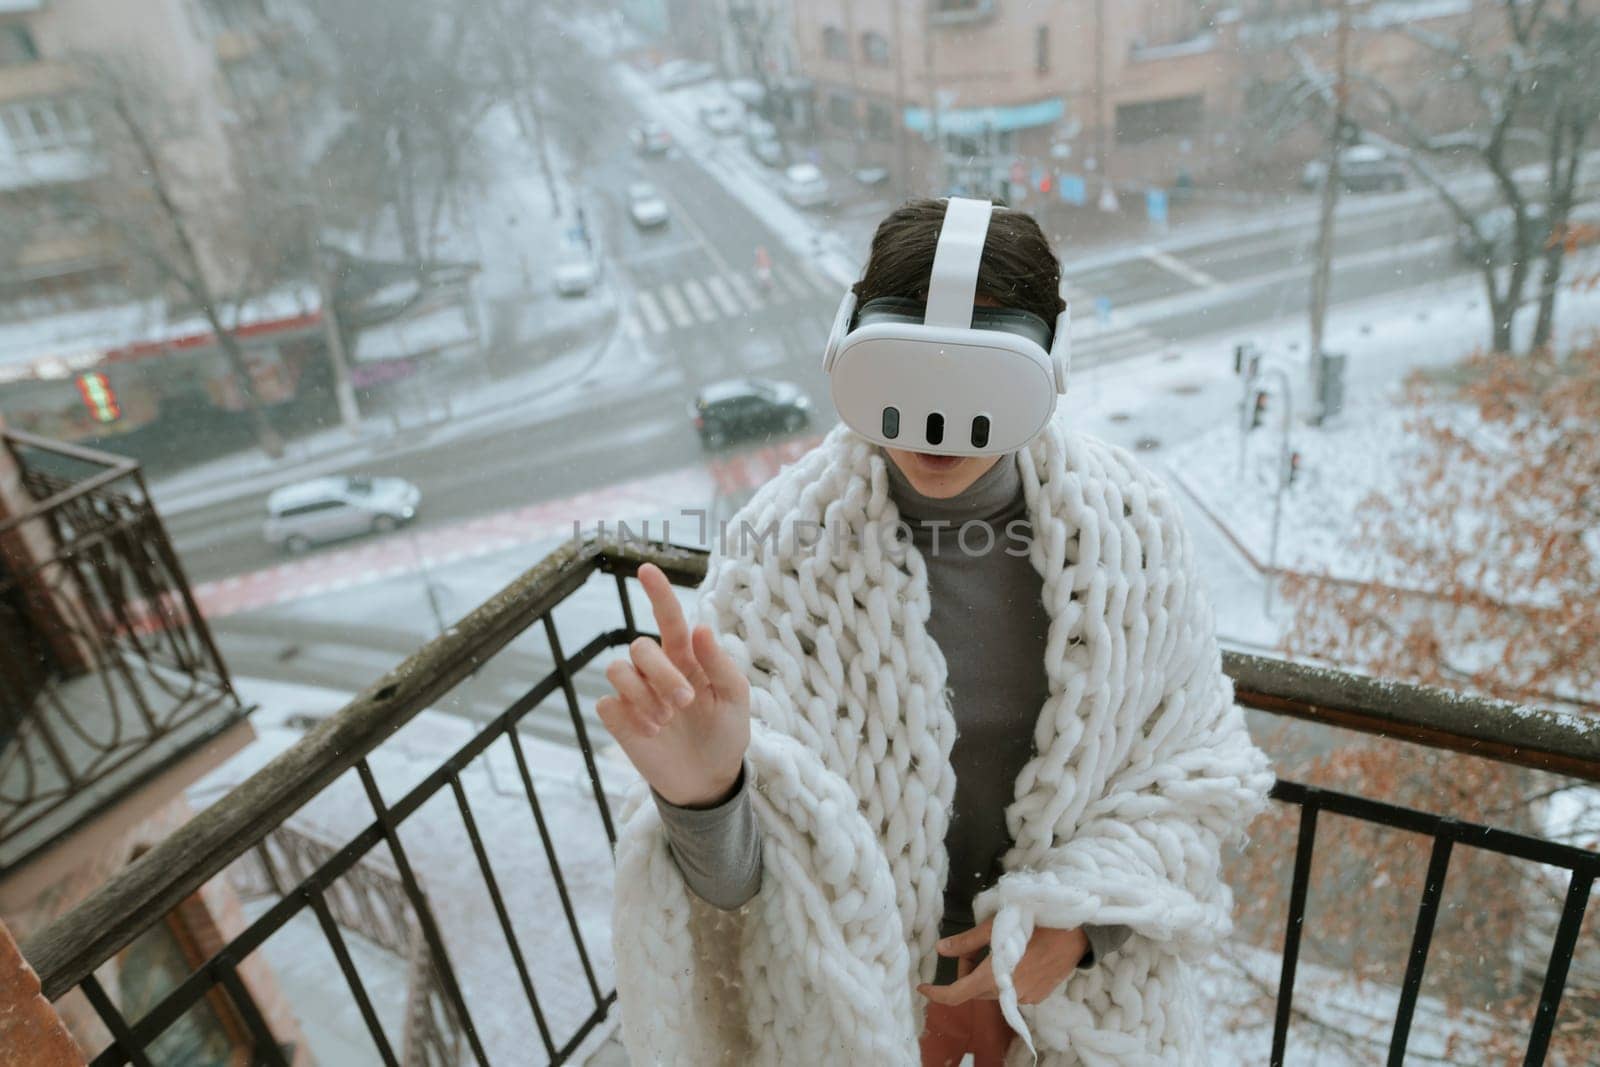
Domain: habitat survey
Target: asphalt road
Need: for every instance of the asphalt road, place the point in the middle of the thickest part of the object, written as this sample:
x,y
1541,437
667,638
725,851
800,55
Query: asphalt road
x,y
687,290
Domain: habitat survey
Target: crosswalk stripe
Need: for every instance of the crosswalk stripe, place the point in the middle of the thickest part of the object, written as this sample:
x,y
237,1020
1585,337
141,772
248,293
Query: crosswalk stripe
x,y
821,282
723,295
652,313
791,282
746,291
632,327
700,301
676,307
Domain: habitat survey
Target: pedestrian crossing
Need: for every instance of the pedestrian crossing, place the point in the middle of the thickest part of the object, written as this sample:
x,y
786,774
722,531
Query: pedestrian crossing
x,y
721,296
730,296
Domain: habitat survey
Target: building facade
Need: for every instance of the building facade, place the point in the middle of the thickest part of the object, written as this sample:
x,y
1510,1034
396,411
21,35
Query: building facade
x,y
1074,102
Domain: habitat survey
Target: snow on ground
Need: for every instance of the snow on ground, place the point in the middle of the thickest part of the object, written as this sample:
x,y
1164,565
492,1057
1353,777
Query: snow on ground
x,y
1237,985
442,856
1193,406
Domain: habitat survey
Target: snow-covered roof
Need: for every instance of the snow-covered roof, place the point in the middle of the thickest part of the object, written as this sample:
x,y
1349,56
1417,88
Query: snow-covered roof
x,y
55,346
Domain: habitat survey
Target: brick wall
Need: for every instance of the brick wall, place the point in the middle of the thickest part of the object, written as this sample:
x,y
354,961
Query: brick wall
x,y
31,1035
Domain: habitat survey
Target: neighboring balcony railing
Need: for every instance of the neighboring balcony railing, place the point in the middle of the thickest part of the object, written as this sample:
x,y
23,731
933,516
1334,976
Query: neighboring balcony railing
x,y
108,672
516,982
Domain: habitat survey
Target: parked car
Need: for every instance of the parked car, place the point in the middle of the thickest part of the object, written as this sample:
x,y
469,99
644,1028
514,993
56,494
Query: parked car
x,y
1363,168
577,268
748,407
645,206
676,73
768,150
748,92
721,119
650,139
330,508
1494,242
805,186
872,176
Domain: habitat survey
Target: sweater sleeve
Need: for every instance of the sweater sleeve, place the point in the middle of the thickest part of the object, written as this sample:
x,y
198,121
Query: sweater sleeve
x,y
716,849
1102,940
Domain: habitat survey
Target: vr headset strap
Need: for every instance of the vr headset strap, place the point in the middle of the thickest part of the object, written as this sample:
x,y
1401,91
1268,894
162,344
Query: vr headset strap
x,y
954,282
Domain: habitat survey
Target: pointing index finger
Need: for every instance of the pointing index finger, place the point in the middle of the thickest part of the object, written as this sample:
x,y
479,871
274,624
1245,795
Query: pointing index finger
x,y
668,612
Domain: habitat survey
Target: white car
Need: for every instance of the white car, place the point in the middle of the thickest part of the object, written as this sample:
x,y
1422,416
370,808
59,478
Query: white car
x,y
577,270
676,73
645,206
805,186
721,119
327,509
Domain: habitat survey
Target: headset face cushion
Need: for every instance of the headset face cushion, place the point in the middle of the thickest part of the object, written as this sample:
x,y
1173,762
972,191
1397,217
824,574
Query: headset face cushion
x,y
899,309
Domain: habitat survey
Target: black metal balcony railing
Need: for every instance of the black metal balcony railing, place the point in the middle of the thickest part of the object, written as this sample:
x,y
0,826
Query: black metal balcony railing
x,y
107,669
69,954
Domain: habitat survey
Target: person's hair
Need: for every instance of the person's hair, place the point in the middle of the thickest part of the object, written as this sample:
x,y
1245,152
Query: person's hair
x,y
1018,269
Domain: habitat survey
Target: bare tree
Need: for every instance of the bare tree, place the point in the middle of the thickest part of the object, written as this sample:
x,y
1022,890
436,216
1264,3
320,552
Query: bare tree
x,y
405,94
190,231
1531,92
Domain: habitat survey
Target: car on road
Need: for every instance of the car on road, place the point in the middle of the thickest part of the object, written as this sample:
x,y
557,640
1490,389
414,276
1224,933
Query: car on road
x,y
721,119
767,149
741,408
646,207
335,507
676,73
805,186
650,139
577,268
872,176
1363,168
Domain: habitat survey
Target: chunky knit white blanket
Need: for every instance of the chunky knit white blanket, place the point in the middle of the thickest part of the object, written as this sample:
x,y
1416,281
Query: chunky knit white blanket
x,y
1144,772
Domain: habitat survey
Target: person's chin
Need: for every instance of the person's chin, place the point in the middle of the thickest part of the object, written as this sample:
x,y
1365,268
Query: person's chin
x,y
939,476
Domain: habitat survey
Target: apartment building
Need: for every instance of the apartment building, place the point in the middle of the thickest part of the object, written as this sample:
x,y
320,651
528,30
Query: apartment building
x,y
1048,104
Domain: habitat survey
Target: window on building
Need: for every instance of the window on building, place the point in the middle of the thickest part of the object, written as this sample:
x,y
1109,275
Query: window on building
x,y
842,111
834,45
1041,50
1149,120
880,122
16,45
875,48
225,15
44,125
959,6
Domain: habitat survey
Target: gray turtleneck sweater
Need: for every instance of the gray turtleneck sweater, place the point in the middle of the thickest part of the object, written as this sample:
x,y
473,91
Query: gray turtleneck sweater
x,y
989,619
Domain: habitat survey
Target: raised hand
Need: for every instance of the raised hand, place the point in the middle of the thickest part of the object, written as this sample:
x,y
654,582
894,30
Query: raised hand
x,y
681,710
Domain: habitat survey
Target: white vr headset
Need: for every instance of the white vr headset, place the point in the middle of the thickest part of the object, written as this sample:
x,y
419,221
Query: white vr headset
x,y
948,378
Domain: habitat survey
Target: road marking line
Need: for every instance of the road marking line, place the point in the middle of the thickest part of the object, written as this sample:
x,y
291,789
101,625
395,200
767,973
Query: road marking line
x,y
700,301
746,291
632,327
675,306
723,296
1170,262
652,313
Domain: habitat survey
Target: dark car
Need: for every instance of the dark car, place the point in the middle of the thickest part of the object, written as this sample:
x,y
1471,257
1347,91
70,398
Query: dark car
x,y
748,407
1363,168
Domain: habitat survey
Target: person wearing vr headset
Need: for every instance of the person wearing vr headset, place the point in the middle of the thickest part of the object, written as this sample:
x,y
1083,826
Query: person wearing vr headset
x,y
914,796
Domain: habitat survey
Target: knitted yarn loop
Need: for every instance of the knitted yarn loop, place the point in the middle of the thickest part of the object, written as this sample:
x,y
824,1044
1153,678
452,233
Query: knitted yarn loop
x,y
1143,772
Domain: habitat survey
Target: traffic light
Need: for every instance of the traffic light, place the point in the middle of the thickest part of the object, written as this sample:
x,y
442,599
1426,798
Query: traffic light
x,y
1259,412
1294,467
98,397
